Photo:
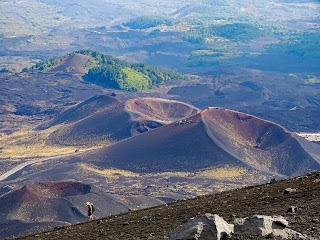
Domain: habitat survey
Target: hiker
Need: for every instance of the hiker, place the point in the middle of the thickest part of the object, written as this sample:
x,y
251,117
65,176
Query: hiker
x,y
90,210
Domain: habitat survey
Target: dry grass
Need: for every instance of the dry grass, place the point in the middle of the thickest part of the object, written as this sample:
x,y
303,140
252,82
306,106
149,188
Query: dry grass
x,y
26,143
172,174
109,172
312,80
310,136
223,173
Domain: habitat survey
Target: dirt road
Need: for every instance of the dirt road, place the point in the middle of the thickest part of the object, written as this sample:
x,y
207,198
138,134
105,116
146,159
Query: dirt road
x,y
30,162
315,137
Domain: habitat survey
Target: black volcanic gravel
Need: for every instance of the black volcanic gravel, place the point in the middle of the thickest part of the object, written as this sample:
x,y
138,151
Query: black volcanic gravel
x,y
158,222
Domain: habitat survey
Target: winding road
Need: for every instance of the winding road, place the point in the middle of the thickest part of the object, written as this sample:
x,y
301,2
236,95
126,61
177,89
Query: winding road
x,y
30,162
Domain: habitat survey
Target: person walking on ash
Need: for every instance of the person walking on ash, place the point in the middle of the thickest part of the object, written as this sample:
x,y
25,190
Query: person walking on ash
x,y
91,209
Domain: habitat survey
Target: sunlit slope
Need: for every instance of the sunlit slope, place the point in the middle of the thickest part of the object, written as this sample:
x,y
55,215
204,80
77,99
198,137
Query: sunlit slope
x,y
259,143
158,109
104,119
75,63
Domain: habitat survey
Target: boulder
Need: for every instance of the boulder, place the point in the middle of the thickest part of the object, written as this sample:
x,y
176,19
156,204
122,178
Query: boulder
x,y
209,226
288,234
259,225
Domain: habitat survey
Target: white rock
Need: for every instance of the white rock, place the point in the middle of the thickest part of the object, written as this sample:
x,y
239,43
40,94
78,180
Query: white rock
x,y
258,225
207,227
289,234
289,190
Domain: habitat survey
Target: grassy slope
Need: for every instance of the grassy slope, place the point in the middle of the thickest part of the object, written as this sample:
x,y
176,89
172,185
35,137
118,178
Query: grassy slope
x,y
135,79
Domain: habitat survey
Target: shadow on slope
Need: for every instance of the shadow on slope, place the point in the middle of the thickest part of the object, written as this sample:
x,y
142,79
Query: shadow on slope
x,y
213,138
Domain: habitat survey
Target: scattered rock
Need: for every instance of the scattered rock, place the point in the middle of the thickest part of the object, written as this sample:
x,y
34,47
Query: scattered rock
x,y
273,180
268,226
209,226
258,225
289,190
292,209
145,218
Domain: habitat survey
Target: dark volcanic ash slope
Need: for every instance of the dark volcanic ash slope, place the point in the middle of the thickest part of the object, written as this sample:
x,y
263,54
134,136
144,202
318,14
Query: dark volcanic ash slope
x,y
213,138
47,204
158,222
104,118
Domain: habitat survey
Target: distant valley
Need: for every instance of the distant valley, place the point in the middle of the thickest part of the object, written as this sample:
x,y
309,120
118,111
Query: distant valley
x,y
183,36
134,104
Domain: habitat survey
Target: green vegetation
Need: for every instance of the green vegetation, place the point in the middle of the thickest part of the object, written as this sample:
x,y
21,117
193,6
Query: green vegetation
x,y
236,32
106,76
47,65
113,73
204,57
148,22
299,44
134,80
5,70
1,35
213,57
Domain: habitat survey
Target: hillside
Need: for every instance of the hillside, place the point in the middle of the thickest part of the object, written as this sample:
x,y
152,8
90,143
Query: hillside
x,y
108,71
158,222
128,123
189,154
213,138
107,119
74,63
43,205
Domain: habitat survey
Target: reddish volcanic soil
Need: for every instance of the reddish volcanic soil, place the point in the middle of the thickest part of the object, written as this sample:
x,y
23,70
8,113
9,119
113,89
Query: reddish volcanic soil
x,y
41,202
158,222
215,137
104,118
158,109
